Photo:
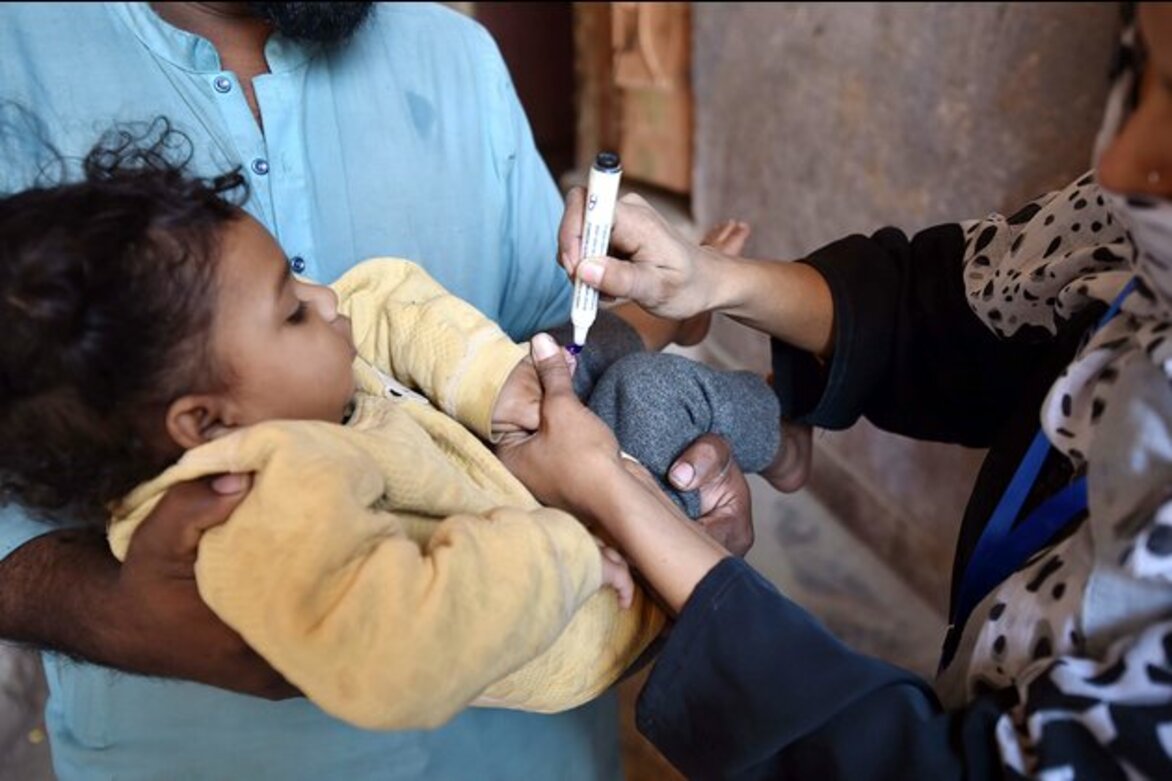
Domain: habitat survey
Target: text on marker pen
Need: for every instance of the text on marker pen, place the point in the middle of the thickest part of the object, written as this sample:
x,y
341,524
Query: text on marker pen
x,y
602,190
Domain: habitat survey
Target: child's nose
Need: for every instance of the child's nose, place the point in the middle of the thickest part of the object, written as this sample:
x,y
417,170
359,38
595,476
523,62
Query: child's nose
x,y
324,300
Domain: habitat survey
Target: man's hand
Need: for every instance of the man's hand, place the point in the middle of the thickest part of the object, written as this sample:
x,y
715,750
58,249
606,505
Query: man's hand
x,y
707,465
159,625
64,591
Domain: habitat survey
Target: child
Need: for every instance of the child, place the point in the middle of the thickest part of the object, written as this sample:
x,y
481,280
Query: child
x,y
391,567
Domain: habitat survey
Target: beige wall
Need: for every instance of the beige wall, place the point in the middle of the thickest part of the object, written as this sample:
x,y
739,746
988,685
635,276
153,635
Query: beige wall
x,y
814,121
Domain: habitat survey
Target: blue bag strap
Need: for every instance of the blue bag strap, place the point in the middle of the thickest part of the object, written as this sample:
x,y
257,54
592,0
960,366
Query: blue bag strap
x,y
1002,549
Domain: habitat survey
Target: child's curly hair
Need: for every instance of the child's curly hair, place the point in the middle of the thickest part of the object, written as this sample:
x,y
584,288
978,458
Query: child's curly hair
x,y
106,291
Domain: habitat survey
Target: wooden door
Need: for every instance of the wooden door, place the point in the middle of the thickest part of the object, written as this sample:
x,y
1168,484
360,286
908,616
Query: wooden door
x,y
633,75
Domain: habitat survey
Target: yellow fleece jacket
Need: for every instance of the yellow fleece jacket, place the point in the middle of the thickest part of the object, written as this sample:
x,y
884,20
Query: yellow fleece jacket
x,y
392,568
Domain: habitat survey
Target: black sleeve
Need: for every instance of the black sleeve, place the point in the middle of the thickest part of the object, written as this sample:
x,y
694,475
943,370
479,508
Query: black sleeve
x,y
749,686
909,353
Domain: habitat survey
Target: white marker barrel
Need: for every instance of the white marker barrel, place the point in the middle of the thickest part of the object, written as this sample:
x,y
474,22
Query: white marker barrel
x,y
602,191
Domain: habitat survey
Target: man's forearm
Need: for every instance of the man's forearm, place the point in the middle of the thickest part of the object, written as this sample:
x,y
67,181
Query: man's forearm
x,y
53,592
67,592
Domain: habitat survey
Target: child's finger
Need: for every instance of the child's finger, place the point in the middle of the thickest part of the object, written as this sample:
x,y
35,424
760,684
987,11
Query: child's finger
x,y
613,555
627,591
718,233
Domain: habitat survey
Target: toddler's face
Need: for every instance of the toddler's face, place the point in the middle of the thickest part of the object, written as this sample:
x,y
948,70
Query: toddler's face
x,y
286,352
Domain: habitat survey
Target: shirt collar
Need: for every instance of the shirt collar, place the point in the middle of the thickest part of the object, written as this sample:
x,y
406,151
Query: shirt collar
x,y
197,54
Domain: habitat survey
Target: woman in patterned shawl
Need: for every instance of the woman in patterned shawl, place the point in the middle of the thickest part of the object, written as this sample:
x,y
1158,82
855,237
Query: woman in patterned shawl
x,y
1042,336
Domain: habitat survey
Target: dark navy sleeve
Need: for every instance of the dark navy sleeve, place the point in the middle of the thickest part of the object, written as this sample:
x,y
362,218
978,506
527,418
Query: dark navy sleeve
x,y
908,351
749,685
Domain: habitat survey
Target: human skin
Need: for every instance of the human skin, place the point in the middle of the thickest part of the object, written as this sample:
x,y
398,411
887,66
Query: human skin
x,y
64,591
655,266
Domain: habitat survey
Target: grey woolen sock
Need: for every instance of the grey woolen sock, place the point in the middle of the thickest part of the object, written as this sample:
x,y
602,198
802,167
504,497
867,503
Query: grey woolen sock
x,y
610,339
659,403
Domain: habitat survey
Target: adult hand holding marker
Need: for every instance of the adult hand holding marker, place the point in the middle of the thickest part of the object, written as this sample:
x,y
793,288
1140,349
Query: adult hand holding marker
x,y
649,262
602,191
707,465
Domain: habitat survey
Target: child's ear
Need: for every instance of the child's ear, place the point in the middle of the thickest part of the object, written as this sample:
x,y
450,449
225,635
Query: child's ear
x,y
194,420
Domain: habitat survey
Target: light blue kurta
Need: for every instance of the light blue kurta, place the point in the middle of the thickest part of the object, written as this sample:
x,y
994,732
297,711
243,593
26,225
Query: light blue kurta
x,y
408,141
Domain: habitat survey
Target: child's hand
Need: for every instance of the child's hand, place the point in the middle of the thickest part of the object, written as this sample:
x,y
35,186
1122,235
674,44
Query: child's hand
x,y
791,467
518,407
617,574
728,238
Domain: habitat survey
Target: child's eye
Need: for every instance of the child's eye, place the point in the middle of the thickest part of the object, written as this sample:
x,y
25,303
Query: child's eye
x,y
298,315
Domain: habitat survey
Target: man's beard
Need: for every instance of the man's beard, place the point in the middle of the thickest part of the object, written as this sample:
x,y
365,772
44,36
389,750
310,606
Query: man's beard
x,y
317,22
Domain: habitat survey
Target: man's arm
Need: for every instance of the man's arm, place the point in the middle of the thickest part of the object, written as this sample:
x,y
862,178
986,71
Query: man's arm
x,y
49,583
536,294
64,591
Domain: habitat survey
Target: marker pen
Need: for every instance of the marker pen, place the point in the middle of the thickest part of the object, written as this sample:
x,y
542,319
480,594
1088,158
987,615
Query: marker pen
x,y
602,190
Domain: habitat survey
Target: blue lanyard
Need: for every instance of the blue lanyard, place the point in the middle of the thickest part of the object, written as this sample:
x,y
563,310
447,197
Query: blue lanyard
x,y
1002,549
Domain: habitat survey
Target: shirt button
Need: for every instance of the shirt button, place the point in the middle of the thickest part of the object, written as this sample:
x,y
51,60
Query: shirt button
x,y
260,166
297,263
222,84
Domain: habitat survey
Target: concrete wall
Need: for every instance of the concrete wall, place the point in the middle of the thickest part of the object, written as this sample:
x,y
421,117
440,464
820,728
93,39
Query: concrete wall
x,y
814,121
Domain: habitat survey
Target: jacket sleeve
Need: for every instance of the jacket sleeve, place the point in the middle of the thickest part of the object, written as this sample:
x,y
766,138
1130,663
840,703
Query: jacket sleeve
x,y
375,628
908,353
749,686
409,326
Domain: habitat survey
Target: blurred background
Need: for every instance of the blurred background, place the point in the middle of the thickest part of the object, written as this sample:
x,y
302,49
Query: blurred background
x,y
810,121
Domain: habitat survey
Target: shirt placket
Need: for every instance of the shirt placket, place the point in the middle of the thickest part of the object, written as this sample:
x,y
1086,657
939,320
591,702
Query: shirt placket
x,y
290,198
248,141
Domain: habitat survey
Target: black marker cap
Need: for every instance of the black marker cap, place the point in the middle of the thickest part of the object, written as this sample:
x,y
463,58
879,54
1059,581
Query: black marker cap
x,y
608,163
